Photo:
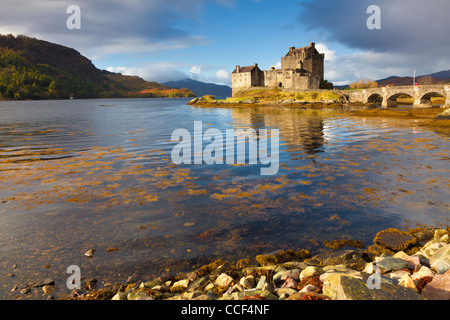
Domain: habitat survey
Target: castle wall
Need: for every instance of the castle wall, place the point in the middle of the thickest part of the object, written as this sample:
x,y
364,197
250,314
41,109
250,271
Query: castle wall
x,y
241,81
256,78
289,79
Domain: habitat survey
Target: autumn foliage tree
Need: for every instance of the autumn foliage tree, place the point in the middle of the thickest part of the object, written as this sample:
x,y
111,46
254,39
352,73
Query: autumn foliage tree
x,y
363,84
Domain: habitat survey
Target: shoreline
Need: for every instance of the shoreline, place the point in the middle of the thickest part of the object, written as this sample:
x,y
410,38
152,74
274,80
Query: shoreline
x,y
402,265
427,116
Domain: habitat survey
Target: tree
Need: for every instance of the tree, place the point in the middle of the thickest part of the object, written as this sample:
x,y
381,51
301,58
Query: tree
x,y
324,84
363,84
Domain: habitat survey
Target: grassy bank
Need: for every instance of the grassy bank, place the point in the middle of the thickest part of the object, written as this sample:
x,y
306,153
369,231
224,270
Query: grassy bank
x,y
276,94
274,97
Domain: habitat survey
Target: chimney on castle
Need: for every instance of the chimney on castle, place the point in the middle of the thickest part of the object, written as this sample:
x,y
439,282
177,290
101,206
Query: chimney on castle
x,y
238,69
312,45
291,49
256,64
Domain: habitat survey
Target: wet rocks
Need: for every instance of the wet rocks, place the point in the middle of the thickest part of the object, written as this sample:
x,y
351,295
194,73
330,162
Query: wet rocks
x,y
45,282
48,289
415,274
90,284
89,253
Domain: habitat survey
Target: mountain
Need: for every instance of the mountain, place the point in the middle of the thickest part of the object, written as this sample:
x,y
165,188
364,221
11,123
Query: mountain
x,y
434,78
441,77
201,88
37,69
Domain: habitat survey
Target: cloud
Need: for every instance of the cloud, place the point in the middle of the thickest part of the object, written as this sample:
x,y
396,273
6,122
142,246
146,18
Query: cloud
x,y
413,35
346,68
164,71
330,55
159,71
195,71
107,26
211,74
223,76
405,24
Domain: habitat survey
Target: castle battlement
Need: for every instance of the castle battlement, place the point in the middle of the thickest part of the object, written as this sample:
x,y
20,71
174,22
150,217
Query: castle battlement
x,y
301,68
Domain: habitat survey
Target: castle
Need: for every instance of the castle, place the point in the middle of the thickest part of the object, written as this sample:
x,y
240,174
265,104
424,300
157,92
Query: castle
x,y
301,68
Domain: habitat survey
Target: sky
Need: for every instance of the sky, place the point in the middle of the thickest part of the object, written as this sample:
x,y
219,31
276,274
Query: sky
x,y
205,39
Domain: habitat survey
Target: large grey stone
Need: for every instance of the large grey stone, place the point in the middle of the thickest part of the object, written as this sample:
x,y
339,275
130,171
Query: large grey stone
x,y
343,287
391,263
440,260
310,271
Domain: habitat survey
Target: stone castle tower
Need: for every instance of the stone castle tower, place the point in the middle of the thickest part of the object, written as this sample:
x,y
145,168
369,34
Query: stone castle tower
x,y
301,69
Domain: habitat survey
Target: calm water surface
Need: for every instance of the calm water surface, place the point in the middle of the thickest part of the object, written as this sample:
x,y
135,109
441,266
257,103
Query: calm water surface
x,y
97,174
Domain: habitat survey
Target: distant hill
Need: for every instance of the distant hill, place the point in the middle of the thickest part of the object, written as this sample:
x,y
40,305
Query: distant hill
x,y
201,88
37,69
440,77
434,78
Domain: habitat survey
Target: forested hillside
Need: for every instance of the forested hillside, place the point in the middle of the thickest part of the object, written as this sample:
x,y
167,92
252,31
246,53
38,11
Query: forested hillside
x,y
37,69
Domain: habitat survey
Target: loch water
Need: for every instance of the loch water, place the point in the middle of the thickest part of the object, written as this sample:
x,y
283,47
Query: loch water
x,y
82,174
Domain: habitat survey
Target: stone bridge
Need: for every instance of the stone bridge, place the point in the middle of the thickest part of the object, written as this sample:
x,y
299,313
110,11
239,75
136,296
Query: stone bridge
x,y
388,95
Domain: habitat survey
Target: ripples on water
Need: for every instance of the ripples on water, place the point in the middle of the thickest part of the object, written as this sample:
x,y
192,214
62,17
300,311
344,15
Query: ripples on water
x,y
87,174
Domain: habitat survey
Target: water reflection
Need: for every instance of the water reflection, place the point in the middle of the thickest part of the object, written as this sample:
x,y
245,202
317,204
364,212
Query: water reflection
x,y
301,134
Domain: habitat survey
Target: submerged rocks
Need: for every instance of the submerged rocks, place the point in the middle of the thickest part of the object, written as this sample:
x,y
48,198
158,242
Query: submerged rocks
x,y
395,240
89,253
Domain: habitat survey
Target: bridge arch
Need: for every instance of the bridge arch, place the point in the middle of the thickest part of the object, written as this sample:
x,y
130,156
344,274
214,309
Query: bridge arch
x,y
426,98
392,99
375,98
